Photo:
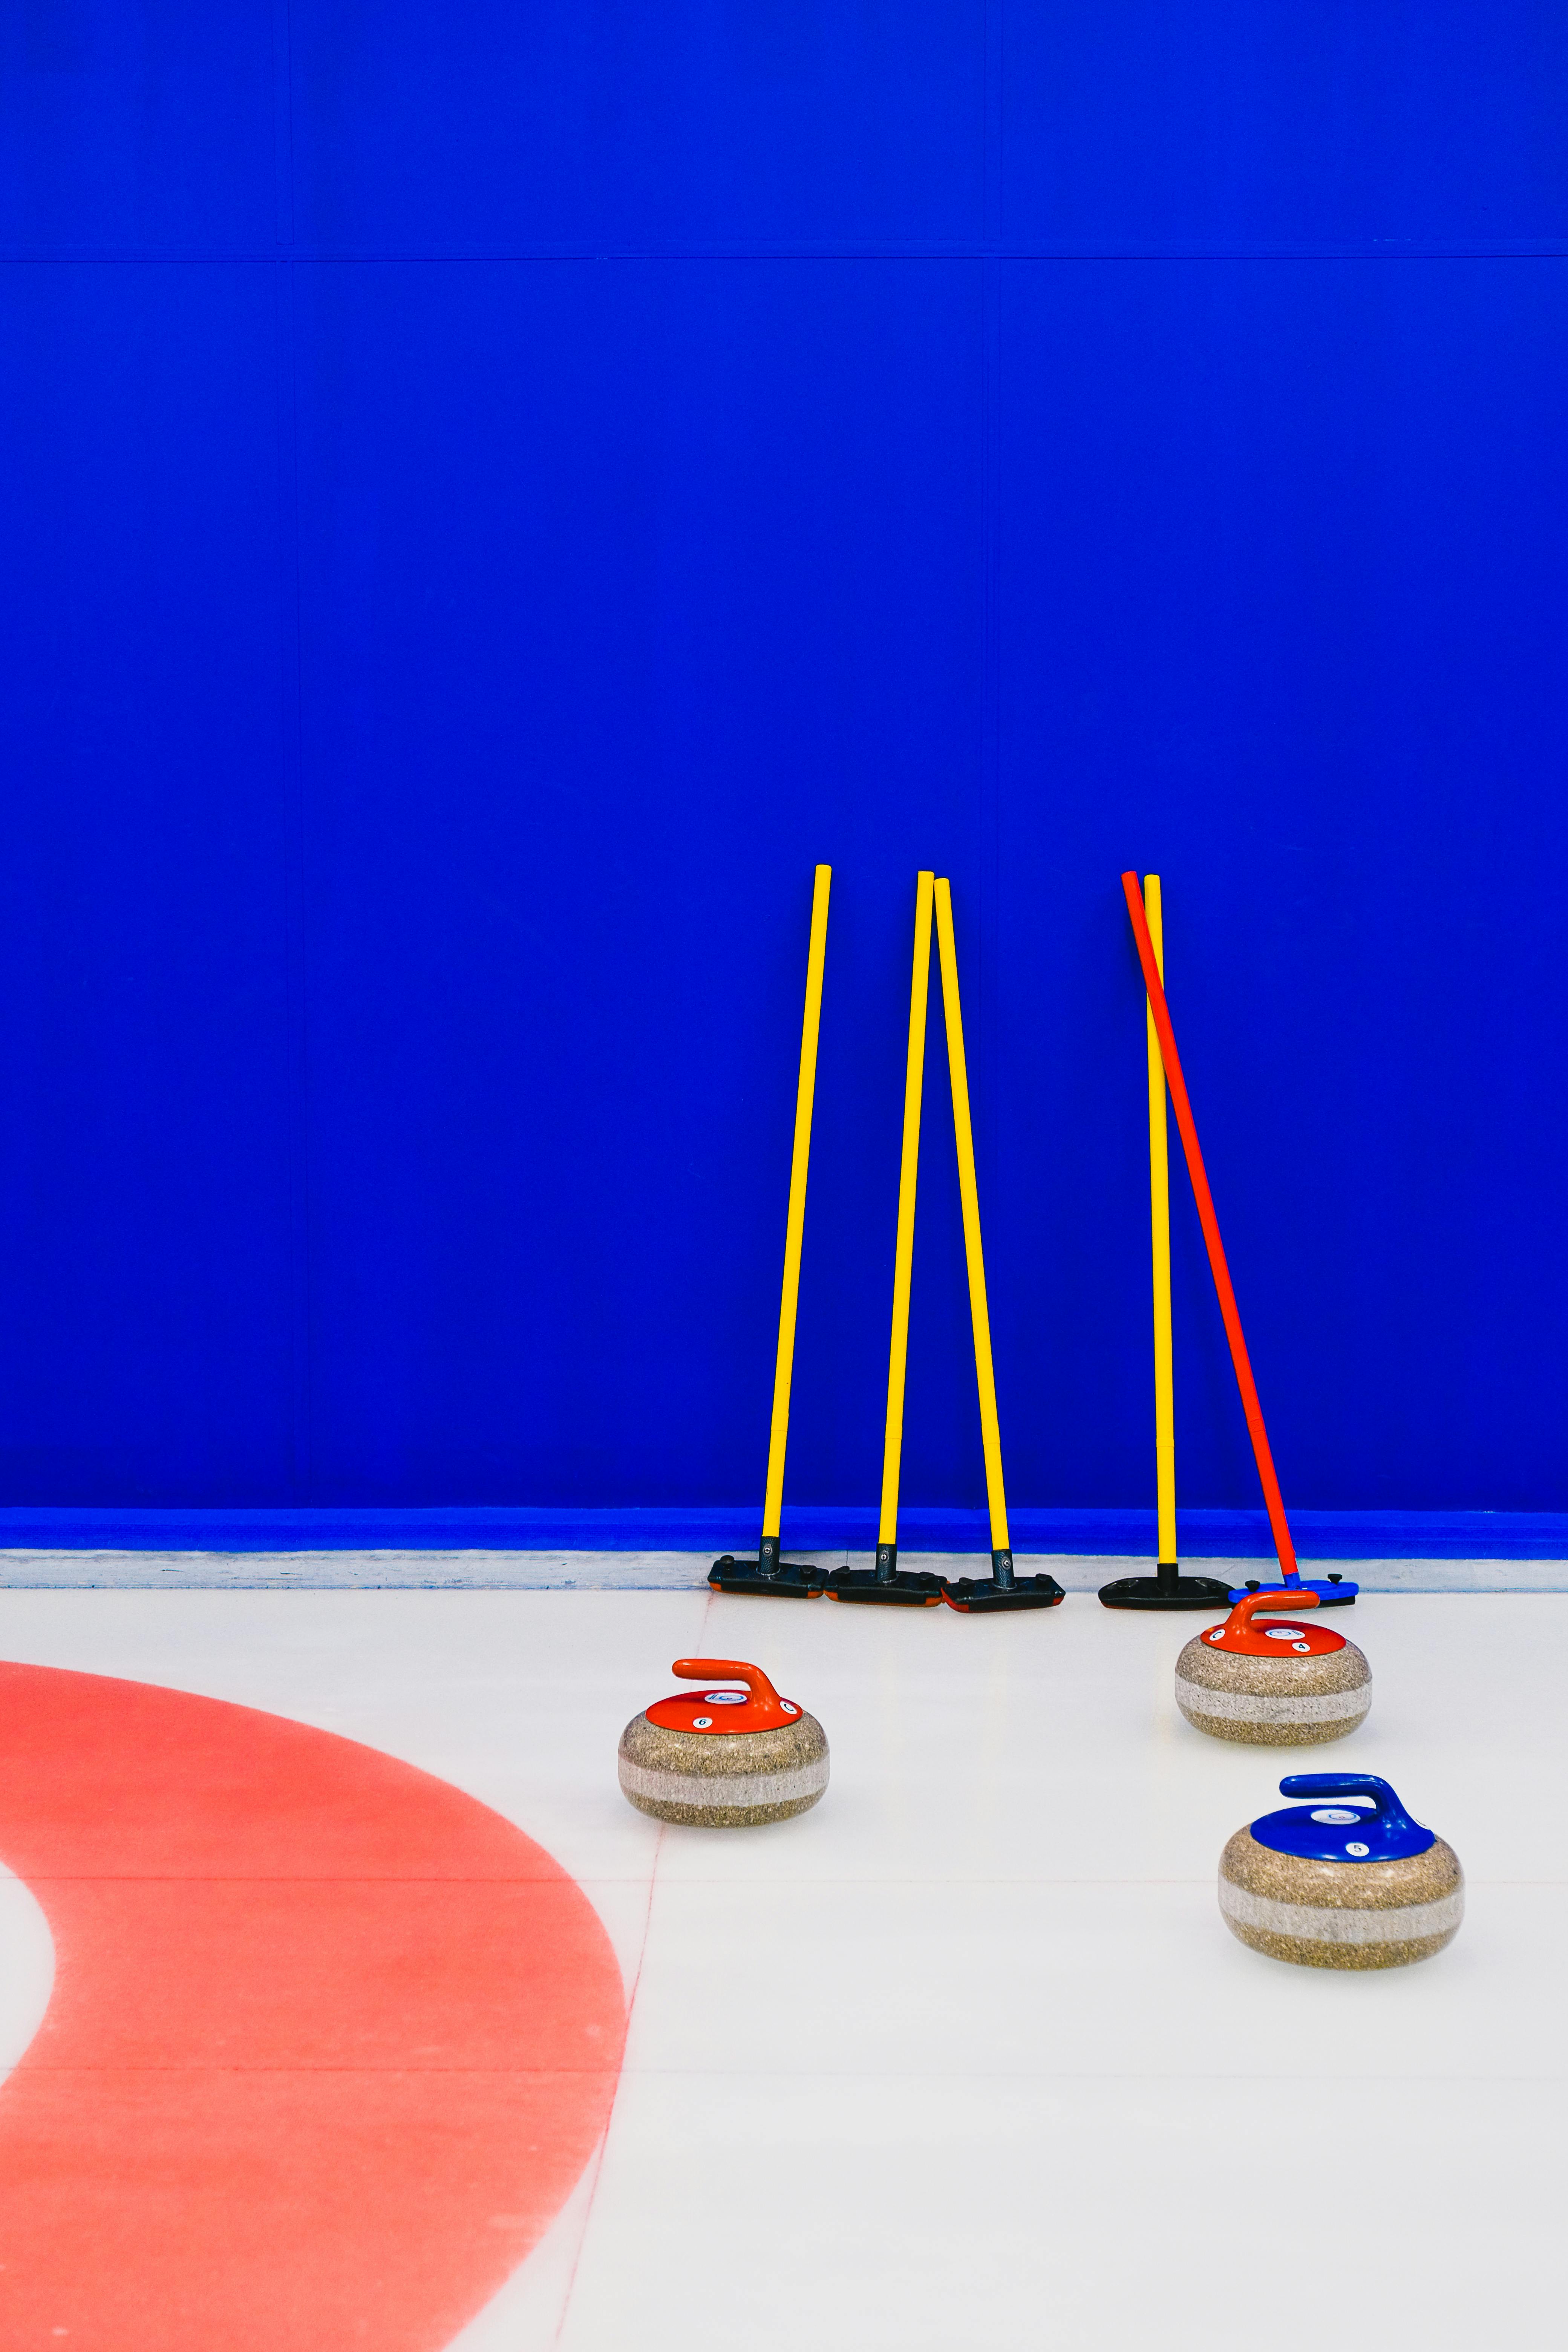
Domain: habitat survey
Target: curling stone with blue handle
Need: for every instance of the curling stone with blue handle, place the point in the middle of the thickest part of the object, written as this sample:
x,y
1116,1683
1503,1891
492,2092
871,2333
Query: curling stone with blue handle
x,y
1280,1685
1330,1884
723,1759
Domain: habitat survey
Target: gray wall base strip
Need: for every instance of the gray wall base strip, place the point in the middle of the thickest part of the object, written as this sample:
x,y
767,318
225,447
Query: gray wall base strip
x,y
655,1571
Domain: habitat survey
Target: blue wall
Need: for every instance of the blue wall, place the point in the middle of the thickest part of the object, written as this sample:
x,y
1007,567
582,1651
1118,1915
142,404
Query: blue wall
x,y
494,490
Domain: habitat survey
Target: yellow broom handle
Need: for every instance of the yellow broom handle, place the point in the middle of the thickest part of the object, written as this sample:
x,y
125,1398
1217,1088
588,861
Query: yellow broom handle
x,y
1159,1227
990,1431
773,1504
909,1171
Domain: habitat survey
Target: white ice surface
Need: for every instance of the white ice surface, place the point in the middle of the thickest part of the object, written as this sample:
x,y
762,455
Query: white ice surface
x,y
965,2057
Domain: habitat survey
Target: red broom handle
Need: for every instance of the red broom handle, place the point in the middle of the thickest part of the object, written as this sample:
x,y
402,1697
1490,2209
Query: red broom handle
x,y
1210,1223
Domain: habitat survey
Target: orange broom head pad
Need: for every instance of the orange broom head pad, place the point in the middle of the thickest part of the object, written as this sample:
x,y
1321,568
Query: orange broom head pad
x,y
757,1707
1244,1633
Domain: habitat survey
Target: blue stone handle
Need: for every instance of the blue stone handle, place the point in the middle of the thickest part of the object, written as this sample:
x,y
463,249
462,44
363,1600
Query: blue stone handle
x,y
1340,1784
1351,1784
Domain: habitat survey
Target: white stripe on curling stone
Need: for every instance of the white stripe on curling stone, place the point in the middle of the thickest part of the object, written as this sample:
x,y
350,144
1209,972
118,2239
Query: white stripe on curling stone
x,y
1254,1706
1313,1923
716,1791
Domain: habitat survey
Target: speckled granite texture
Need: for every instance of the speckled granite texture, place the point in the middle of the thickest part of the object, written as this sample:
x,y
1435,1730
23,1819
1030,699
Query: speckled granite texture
x,y
1284,1702
723,1780
1341,1914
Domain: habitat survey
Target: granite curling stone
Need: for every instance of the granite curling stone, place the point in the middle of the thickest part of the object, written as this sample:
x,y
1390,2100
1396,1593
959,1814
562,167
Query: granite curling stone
x,y
723,1759
1338,1886
1280,1684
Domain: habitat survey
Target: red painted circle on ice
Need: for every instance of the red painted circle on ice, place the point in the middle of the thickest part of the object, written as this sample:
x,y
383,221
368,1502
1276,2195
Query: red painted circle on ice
x,y
329,2044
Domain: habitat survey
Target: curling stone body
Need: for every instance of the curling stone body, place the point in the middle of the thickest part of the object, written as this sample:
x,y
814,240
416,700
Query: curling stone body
x,y
719,1758
1337,1886
1280,1685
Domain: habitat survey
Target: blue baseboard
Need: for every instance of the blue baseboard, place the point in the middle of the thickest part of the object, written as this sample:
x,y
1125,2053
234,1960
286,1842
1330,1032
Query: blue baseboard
x,y
1205,1534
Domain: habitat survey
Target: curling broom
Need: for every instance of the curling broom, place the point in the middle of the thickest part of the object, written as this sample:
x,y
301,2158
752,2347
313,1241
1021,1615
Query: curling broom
x,y
769,1573
1333,1588
887,1583
1167,1588
1002,1589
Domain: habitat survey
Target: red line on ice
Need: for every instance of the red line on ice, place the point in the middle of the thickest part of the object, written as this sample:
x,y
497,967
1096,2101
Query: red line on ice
x,y
329,2044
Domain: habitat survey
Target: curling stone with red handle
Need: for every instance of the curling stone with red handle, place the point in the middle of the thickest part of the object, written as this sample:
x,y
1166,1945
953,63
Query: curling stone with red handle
x,y
1280,1685
1342,1885
723,1759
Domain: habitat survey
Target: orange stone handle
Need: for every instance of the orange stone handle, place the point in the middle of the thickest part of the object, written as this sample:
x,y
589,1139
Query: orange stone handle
x,y
727,1670
1242,1634
1241,1615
